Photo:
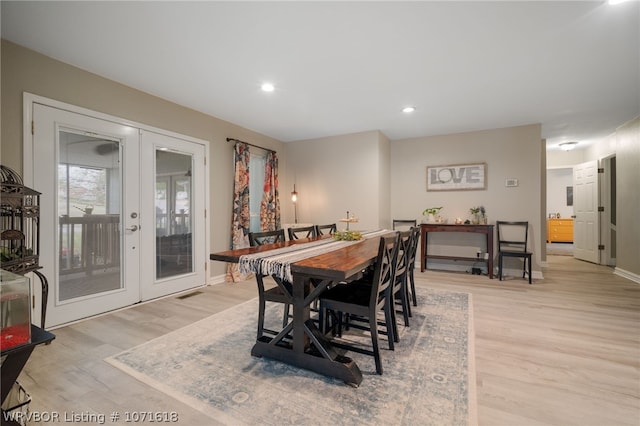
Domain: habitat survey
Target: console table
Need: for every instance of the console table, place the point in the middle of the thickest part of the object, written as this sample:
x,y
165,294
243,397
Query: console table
x,y
487,230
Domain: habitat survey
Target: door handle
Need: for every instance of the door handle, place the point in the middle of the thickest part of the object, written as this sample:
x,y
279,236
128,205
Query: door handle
x,y
134,228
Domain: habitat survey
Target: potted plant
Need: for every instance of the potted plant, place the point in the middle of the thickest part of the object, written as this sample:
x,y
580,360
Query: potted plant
x,y
431,213
479,215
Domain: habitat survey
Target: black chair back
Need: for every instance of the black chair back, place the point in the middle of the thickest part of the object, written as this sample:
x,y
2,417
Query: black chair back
x,y
302,232
413,246
513,236
400,268
385,266
400,281
266,237
326,229
411,263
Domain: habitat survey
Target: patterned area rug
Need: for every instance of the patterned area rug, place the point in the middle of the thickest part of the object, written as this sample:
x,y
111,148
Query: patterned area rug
x,y
429,379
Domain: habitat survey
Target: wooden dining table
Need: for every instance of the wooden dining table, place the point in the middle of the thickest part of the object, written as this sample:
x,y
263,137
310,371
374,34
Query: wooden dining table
x,y
309,348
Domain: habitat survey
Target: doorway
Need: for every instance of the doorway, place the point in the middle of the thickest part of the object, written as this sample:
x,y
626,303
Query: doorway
x,y
106,243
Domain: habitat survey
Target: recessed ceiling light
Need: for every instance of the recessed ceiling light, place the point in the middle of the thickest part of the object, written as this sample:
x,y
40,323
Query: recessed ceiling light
x,y
408,109
267,87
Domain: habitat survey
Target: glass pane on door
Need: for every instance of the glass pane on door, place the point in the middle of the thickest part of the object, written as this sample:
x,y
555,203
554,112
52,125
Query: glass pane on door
x,y
89,202
174,207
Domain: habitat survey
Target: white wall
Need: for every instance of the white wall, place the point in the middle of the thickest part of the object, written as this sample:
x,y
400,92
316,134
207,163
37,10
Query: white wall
x,y
557,182
334,175
627,142
563,159
384,182
515,152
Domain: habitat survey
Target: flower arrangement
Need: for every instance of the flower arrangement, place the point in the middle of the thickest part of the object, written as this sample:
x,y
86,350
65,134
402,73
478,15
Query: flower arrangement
x,y
478,211
479,214
431,210
347,235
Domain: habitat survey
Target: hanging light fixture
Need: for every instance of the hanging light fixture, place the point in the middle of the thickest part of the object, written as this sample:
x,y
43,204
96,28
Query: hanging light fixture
x,y
568,146
294,200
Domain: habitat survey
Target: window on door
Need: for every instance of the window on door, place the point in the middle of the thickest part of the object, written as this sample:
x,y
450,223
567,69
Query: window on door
x,y
173,202
88,219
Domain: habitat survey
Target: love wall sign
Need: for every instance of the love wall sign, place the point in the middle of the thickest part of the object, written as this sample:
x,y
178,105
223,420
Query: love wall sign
x,y
455,177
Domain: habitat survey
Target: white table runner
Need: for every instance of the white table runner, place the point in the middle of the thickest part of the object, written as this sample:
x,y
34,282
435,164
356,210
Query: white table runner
x,y
278,262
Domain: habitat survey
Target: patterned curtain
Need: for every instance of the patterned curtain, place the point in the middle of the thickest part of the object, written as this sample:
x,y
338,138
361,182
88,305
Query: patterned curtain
x,y
240,219
270,205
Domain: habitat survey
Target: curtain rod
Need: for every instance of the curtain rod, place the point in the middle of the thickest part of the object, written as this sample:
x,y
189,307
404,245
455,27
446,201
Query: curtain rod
x,y
250,144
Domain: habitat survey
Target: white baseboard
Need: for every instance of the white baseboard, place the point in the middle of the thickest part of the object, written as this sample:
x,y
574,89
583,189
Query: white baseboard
x,y
626,274
218,279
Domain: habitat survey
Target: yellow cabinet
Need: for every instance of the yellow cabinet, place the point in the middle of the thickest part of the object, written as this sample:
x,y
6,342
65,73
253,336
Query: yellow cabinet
x,y
560,230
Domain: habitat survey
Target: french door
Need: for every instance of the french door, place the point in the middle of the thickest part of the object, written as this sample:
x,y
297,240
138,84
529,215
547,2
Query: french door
x,y
112,233
173,199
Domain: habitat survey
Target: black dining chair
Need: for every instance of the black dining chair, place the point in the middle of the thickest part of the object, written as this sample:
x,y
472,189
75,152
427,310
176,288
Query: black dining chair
x,y
513,237
266,237
329,229
363,300
302,232
399,295
281,293
403,223
411,263
401,276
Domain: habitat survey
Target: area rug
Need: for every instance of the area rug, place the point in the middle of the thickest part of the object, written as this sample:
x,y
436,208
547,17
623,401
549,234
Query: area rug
x,y
429,379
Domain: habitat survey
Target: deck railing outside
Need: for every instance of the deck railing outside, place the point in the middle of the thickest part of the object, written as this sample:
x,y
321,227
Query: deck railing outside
x,y
89,243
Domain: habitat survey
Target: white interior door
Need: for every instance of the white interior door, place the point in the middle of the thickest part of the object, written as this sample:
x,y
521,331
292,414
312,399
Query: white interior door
x,y
586,226
173,203
89,245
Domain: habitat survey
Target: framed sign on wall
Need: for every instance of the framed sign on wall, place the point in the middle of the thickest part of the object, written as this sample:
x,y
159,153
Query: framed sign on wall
x,y
456,177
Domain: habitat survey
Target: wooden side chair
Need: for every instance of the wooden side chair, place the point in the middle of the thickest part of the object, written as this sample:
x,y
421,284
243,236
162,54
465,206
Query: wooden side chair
x,y
513,238
404,223
281,293
326,229
302,232
362,300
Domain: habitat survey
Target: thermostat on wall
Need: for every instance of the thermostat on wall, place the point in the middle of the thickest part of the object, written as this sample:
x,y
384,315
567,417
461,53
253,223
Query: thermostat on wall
x,y
511,182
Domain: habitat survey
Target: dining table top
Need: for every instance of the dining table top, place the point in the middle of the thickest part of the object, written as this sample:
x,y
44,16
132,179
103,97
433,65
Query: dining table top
x,y
338,264
233,255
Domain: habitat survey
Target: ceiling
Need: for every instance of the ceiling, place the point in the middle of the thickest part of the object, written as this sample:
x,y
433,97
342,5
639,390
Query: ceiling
x,y
346,67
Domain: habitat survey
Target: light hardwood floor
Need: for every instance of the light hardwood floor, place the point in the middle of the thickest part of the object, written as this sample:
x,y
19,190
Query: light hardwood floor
x,y
563,351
